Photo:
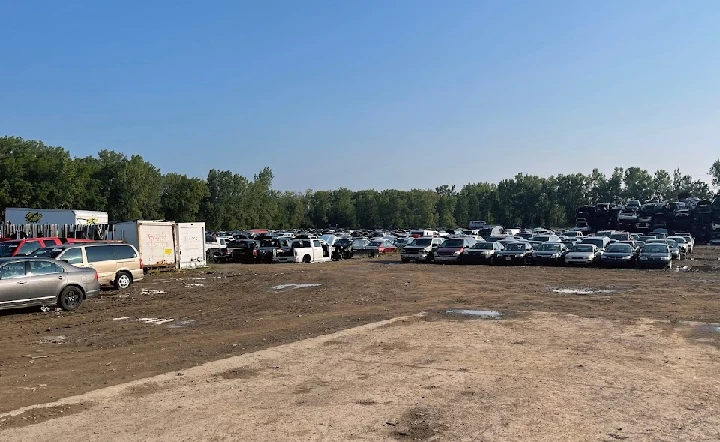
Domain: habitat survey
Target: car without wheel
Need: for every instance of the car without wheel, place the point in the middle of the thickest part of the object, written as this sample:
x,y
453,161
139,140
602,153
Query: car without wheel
x,y
31,281
655,255
481,253
619,255
549,253
583,254
515,253
451,250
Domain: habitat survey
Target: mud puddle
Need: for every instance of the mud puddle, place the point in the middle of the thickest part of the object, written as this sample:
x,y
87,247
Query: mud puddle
x,y
480,314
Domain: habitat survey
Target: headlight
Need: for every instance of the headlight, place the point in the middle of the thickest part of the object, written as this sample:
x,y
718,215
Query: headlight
x,y
520,255
626,257
643,258
555,255
665,258
457,252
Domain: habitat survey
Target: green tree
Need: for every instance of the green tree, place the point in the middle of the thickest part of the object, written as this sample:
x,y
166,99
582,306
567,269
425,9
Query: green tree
x,y
182,197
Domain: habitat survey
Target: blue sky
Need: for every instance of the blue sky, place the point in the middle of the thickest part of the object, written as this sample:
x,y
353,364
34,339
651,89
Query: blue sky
x,y
369,94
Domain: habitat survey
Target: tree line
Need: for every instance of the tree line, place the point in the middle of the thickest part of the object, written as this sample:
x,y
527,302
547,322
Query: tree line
x,y
38,176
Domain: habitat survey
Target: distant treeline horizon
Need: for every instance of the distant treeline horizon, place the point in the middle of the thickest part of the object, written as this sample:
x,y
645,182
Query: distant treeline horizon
x,y
37,176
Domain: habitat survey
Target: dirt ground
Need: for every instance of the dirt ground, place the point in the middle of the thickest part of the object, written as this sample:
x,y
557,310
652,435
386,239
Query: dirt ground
x,y
582,363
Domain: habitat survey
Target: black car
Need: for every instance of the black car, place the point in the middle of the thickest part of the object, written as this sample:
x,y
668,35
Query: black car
x,y
342,249
549,253
515,253
244,250
619,255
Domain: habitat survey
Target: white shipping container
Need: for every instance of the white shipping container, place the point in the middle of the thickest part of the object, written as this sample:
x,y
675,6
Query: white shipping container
x,y
154,240
15,215
190,245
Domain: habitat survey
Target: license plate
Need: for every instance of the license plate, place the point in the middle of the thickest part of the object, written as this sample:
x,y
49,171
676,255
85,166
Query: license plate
x,y
508,258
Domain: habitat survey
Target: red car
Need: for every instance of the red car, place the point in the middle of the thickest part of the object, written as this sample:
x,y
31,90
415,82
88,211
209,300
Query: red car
x,y
24,247
383,246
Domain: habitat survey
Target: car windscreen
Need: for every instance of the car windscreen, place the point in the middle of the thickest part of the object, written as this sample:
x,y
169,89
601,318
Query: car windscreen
x,y
515,246
343,242
549,247
452,243
678,239
593,241
619,248
582,248
655,248
376,243
7,249
483,246
541,238
421,242
50,252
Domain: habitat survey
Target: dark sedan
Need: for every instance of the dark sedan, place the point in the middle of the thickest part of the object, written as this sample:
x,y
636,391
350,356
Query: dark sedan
x,y
655,255
618,255
42,281
515,253
549,253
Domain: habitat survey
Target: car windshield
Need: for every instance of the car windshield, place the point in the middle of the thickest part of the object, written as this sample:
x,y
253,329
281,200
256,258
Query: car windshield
x,y
376,243
655,248
421,242
619,248
359,243
582,248
343,242
50,252
483,246
515,246
549,247
7,249
453,243
597,242
678,239
541,238
619,236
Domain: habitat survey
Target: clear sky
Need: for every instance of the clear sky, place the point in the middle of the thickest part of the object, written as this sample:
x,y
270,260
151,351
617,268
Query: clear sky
x,y
371,93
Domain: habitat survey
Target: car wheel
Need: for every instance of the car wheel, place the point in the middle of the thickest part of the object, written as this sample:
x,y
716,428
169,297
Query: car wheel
x,y
404,260
492,261
123,280
70,298
306,259
670,265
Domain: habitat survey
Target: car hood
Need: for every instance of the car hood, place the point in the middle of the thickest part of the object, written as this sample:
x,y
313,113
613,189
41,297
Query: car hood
x,y
511,252
547,252
654,255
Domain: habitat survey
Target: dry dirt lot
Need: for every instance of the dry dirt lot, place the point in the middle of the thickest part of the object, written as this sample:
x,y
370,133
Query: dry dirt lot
x,y
640,355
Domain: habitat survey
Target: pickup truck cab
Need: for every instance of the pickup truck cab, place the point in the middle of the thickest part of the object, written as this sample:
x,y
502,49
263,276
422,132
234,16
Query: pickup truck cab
x,y
24,247
305,251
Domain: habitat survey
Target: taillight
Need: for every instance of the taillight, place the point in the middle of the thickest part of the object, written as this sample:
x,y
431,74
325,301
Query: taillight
x,y
255,253
141,264
96,276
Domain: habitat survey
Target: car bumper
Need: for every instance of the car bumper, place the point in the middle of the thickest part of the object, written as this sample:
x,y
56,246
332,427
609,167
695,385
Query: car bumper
x,y
414,256
446,258
651,263
547,260
92,293
579,261
606,262
510,259
287,259
477,259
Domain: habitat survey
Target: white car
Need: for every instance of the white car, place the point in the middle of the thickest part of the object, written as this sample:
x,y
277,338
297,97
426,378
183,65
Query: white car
x,y
582,254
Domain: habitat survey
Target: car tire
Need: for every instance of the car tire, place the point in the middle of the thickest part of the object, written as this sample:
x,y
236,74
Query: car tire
x,y
491,261
70,298
122,281
404,260
306,259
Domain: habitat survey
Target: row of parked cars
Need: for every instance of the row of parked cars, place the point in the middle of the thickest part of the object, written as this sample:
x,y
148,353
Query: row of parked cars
x,y
607,249
55,271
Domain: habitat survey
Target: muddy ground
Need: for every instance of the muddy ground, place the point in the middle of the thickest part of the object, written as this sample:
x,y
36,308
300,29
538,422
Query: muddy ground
x,y
173,321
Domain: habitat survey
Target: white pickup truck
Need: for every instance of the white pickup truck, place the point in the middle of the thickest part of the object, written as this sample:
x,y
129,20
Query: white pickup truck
x,y
305,250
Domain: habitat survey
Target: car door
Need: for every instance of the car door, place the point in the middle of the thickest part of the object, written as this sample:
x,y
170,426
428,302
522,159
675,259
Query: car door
x,y
13,283
46,278
317,250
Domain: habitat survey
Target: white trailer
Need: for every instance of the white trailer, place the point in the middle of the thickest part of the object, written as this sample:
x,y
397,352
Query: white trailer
x,y
155,240
190,245
14,215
